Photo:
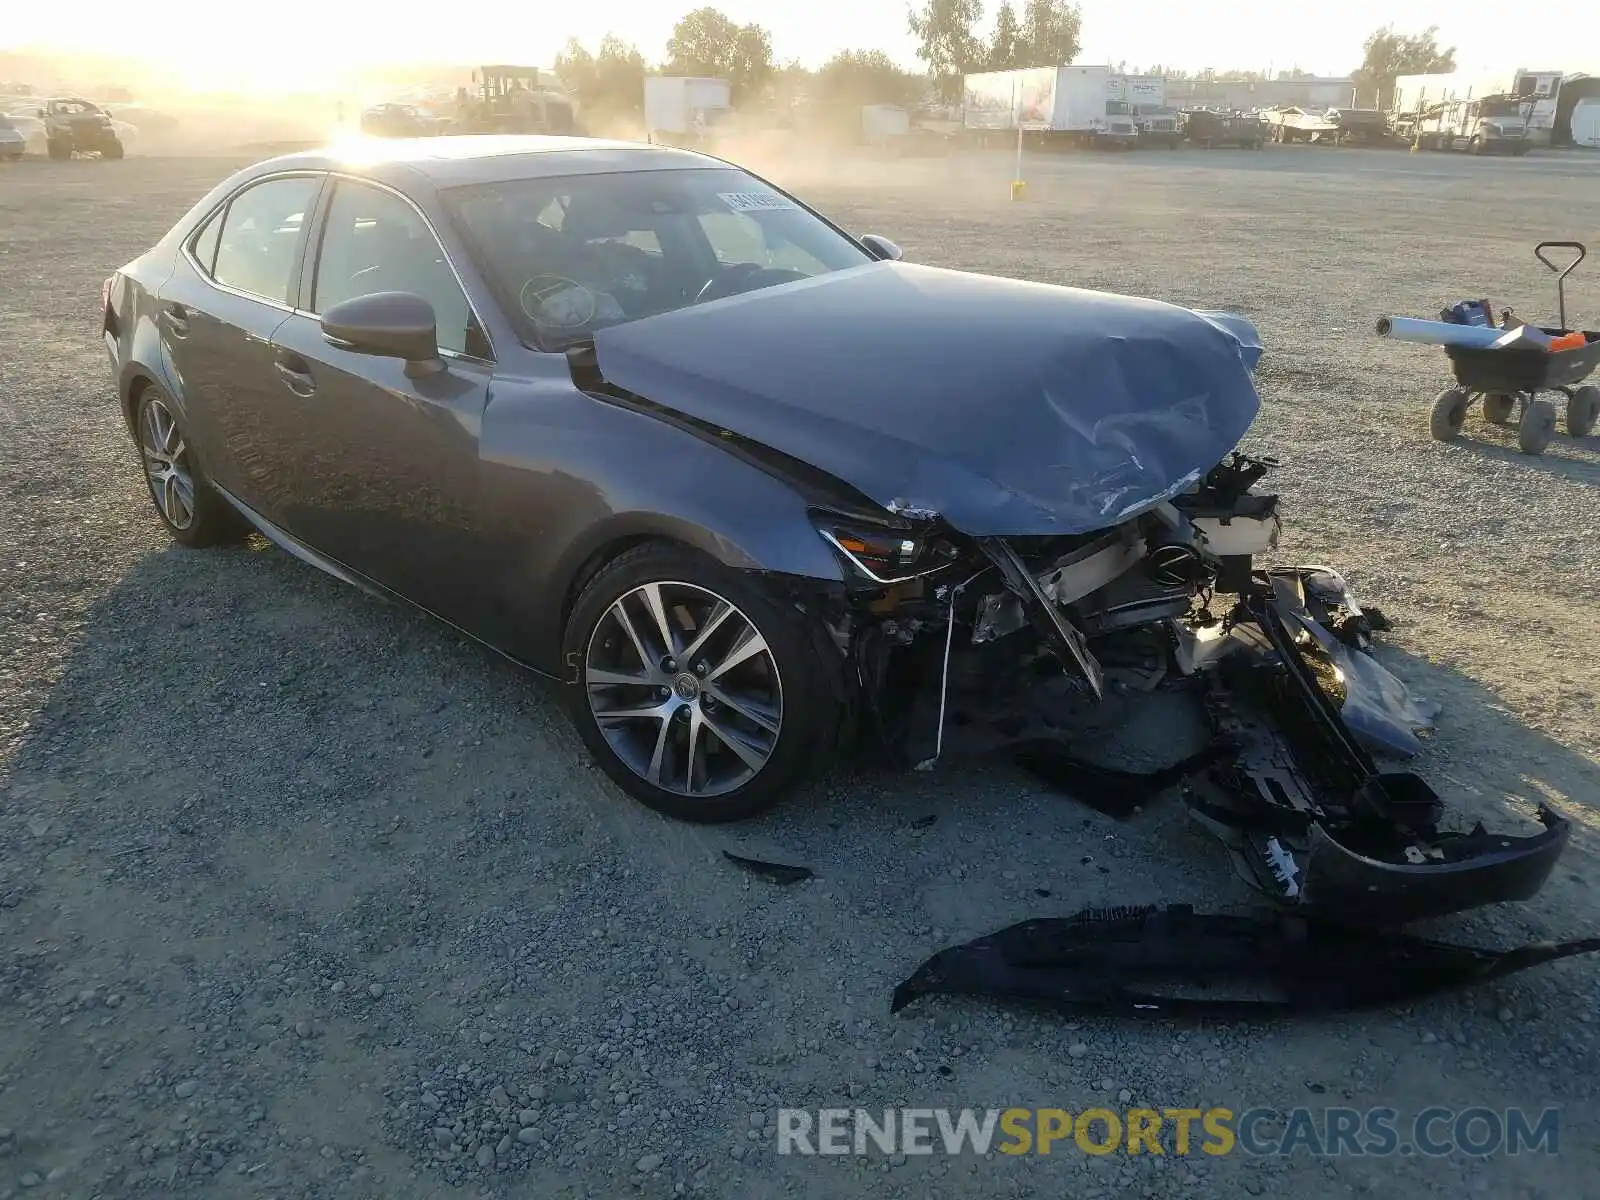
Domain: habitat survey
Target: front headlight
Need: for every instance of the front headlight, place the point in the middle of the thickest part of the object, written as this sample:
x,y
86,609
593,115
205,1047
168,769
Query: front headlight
x,y
883,554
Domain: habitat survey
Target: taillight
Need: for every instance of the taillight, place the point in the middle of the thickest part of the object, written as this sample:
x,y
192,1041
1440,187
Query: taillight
x,y
105,293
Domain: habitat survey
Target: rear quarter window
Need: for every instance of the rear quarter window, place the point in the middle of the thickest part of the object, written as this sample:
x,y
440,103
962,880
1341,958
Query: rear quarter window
x,y
203,245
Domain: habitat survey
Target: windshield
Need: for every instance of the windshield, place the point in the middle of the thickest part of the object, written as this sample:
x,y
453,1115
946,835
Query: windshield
x,y
1118,108
1502,108
572,254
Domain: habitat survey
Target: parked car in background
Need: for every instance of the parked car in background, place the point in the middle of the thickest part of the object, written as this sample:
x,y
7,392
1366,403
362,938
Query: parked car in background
x,y
147,120
12,144
73,125
31,127
1212,128
1586,124
399,120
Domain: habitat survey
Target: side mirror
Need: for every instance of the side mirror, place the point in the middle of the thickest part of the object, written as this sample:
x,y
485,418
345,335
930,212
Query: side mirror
x,y
880,247
390,325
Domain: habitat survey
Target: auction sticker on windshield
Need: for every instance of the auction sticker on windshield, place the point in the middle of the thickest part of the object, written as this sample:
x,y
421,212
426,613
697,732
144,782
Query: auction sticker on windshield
x,y
741,202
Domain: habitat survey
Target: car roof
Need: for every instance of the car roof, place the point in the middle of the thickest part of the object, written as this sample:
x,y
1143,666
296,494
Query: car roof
x,y
464,160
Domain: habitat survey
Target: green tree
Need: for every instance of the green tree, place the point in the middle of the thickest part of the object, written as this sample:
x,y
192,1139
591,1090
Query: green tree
x,y
1052,32
1388,55
707,42
1006,40
852,78
610,81
575,66
619,74
946,42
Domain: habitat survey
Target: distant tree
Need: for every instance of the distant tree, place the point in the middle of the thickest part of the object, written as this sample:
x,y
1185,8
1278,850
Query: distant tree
x,y
1388,55
612,80
1006,40
1052,32
707,42
946,42
852,78
619,73
575,66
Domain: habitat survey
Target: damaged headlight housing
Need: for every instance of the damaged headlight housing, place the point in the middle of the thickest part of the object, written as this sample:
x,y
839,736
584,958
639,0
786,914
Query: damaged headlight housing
x,y
883,553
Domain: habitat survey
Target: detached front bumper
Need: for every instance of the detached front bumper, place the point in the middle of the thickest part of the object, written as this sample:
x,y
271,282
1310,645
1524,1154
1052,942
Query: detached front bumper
x,y
1469,870
1311,820
1296,707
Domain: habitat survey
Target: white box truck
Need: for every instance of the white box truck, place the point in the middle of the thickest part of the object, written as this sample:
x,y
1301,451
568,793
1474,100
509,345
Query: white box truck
x,y
885,125
1147,95
684,107
1077,104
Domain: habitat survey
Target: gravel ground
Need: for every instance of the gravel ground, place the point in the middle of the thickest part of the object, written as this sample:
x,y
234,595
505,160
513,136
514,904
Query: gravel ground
x,y
301,895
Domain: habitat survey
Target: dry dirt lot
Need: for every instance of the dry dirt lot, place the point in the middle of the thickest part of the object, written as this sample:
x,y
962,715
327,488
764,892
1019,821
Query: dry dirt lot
x,y
304,896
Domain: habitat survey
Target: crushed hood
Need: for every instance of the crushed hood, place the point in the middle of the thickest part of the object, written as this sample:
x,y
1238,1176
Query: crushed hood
x,y
1011,408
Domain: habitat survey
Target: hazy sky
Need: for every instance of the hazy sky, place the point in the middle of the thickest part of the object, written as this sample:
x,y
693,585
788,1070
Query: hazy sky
x,y
1315,36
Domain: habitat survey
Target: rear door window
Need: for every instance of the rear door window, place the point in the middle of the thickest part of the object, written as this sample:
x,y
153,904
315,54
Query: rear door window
x,y
204,244
259,242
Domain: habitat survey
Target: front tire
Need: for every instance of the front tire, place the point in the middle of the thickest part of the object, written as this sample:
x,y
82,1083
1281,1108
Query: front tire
x,y
1449,413
700,693
1537,427
192,510
58,150
112,150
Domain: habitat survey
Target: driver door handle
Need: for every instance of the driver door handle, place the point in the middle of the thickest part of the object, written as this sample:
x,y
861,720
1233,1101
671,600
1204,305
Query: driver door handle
x,y
294,371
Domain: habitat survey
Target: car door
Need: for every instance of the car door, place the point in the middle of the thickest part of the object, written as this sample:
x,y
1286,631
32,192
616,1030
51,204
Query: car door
x,y
384,467
229,291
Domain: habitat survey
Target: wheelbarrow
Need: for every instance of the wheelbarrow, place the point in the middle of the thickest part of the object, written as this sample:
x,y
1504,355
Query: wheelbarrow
x,y
1509,381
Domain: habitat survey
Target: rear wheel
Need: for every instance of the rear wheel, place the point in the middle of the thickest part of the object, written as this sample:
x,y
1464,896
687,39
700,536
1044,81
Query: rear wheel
x,y
697,691
191,509
1449,414
58,149
1583,410
1498,407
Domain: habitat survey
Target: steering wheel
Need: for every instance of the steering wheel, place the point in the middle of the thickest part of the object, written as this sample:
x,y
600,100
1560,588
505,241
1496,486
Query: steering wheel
x,y
540,288
744,277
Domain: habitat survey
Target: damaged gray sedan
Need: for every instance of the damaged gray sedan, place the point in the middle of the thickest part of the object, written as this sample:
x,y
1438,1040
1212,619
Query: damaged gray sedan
x,y
756,491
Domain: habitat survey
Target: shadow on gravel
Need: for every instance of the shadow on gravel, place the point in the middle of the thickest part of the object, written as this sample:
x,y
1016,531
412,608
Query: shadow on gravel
x,y
219,692
1499,769
361,856
1554,461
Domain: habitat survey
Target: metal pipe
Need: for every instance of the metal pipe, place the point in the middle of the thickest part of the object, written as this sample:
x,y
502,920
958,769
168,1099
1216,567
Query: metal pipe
x,y
1438,333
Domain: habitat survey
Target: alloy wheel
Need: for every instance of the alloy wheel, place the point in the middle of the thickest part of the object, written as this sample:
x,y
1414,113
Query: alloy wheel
x,y
684,689
166,464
